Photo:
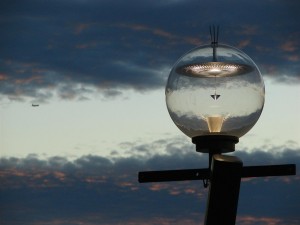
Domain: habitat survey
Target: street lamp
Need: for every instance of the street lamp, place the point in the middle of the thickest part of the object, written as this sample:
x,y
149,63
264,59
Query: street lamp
x,y
215,90
215,94
200,89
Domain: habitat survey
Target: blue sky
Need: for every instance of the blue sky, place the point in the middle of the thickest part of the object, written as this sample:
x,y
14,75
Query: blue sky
x,y
98,70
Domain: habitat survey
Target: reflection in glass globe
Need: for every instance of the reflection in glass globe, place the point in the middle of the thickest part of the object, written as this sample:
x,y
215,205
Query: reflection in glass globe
x,y
215,90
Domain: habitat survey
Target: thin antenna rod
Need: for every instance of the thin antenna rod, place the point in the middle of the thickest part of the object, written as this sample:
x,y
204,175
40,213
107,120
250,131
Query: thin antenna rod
x,y
211,35
217,34
214,33
214,36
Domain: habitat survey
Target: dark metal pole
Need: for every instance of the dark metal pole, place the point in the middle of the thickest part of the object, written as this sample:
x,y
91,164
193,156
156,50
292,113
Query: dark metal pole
x,y
226,172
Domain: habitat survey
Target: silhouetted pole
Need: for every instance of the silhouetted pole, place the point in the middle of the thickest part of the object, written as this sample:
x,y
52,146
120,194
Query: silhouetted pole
x,y
224,175
224,188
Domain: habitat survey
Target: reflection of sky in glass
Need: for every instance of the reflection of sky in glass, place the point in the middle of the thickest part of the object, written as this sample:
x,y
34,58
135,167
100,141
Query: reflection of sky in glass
x,y
238,102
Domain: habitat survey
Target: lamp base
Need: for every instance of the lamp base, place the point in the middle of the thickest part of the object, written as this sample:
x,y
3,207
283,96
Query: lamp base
x,y
215,144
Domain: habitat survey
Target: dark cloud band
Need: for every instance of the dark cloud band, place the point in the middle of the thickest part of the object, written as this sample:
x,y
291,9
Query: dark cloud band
x,y
99,190
133,46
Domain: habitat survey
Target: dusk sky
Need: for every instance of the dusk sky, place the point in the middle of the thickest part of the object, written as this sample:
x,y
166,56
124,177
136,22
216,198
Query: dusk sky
x,y
97,70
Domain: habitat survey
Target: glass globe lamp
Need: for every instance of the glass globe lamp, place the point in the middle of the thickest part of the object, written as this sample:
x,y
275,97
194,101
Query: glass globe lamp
x,y
215,93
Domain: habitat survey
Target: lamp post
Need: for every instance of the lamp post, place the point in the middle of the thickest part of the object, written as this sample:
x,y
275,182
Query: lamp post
x,y
215,94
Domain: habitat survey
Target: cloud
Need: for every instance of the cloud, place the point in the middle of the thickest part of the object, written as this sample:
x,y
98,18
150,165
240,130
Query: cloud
x,y
99,190
260,220
104,45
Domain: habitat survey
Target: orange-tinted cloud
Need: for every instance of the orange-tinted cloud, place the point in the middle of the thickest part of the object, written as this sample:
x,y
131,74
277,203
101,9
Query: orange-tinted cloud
x,y
293,58
163,33
86,45
243,43
28,80
3,76
80,27
289,46
248,30
251,220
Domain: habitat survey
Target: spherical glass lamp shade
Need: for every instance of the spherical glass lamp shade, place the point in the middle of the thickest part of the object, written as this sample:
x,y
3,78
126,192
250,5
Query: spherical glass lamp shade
x,y
215,90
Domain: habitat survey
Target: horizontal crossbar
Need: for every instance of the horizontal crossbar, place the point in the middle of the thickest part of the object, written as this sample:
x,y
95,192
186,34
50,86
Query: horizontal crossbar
x,y
202,174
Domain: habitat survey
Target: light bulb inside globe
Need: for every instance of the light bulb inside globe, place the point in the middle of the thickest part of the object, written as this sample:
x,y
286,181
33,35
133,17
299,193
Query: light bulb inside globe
x,y
214,69
214,123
